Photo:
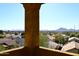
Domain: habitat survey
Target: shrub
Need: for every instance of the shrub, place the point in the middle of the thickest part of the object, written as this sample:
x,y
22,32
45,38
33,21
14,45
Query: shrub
x,y
43,40
2,36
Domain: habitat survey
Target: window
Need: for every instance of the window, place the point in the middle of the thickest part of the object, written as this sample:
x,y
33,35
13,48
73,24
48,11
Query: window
x,y
11,26
59,27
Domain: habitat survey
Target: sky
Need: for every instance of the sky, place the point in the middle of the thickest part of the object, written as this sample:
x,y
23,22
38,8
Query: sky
x,y
11,16
59,15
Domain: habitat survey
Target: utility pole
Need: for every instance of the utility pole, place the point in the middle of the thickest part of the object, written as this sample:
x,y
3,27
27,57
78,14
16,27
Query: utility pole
x,y
74,28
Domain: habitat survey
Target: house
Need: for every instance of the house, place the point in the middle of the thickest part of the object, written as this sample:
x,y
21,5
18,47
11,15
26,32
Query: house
x,y
72,45
7,42
52,44
51,37
11,39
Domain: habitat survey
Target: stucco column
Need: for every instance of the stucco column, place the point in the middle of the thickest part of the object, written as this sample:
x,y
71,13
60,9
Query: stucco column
x,y
32,25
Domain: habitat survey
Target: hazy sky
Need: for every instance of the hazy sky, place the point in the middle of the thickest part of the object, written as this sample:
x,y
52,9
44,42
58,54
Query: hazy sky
x,y
11,16
54,16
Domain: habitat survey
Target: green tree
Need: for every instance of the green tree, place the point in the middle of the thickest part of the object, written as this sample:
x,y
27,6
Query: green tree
x,y
1,31
43,39
22,35
77,35
16,33
72,35
66,33
59,39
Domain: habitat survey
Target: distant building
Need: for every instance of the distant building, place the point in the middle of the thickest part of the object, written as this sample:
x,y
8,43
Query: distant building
x,y
72,45
19,40
12,39
8,35
51,43
51,37
7,42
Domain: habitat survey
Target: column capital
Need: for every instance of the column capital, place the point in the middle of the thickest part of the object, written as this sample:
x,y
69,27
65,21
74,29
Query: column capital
x,y
32,6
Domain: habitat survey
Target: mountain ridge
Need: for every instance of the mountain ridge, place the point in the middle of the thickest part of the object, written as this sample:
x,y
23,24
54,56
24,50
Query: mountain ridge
x,y
63,30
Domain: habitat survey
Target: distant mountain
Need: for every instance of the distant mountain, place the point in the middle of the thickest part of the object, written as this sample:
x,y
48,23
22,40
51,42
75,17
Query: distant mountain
x,y
64,30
